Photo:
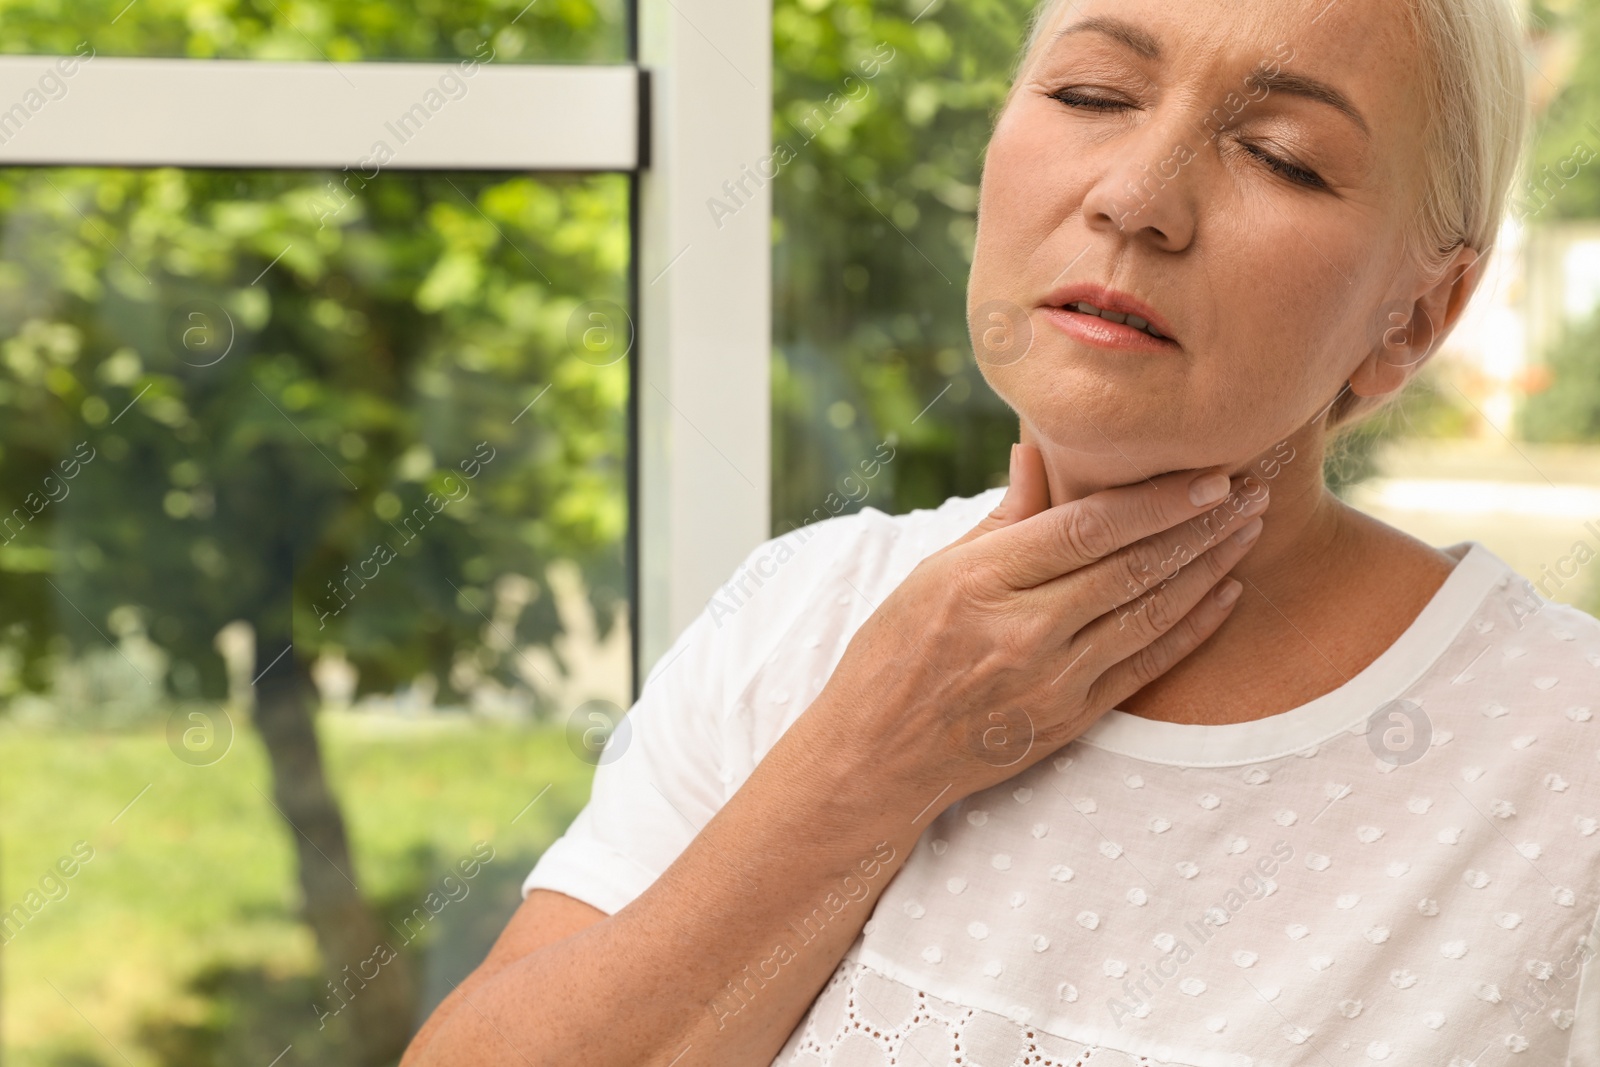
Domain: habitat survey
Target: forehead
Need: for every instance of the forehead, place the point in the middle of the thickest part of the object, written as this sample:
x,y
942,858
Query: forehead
x,y
1367,48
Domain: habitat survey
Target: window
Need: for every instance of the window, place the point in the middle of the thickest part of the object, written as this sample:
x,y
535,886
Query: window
x,y
368,424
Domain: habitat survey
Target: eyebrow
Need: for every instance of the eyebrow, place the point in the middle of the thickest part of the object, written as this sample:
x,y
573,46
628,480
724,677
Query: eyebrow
x,y
1142,43
1311,89
1118,30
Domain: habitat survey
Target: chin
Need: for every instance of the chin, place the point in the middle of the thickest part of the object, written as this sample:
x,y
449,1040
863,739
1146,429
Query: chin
x,y
1113,446
1096,416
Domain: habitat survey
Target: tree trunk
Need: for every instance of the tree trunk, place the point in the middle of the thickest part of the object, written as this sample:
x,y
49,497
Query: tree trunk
x,y
371,981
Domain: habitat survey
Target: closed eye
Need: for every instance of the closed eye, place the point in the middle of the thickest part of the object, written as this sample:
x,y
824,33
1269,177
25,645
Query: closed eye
x,y
1298,175
1076,98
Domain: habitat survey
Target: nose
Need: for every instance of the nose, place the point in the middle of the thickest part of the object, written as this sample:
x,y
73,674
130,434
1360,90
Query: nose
x,y
1146,190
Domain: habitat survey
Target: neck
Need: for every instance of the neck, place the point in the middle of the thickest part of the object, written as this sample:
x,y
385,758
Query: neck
x,y
1302,520
1307,559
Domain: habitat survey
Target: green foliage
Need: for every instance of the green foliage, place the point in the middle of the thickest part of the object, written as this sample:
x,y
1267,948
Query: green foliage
x,y
1426,407
343,31
1568,410
886,115
1563,182
380,340
1559,183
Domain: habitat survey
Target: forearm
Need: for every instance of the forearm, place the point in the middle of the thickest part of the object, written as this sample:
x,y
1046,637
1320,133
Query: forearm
x,y
719,959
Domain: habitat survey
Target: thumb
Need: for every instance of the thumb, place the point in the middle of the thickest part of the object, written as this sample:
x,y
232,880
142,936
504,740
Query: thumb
x,y
1027,494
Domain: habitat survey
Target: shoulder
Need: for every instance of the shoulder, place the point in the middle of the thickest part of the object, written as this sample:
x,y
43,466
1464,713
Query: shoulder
x,y
769,636
870,550
1533,632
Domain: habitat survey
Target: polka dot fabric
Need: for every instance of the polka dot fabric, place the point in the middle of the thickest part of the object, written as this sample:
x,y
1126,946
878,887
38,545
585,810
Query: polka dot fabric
x,y
1323,907
1296,890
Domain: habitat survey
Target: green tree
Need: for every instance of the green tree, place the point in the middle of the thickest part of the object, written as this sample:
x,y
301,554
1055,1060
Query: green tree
x,y
318,437
380,336
1568,409
1563,183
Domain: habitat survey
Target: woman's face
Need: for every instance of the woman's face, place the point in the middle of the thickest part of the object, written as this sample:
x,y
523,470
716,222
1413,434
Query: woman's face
x,y
1242,172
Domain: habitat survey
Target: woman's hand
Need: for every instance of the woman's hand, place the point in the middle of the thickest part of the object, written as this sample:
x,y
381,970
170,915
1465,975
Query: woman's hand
x,y
1009,643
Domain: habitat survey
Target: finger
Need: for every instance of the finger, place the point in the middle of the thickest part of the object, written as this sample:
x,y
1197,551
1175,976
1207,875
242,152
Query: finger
x,y
1123,635
1150,662
1132,572
1027,494
1065,538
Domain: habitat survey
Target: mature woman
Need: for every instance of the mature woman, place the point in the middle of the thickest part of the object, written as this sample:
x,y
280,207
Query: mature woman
x,y
1102,803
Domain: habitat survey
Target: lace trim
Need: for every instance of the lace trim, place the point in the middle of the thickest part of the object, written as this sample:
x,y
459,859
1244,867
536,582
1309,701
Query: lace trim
x,y
922,1032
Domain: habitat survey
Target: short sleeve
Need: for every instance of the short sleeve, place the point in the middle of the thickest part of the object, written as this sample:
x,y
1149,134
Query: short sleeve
x,y
652,797
681,757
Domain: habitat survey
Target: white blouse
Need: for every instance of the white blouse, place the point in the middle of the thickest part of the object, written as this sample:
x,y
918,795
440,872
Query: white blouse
x,y
1403,871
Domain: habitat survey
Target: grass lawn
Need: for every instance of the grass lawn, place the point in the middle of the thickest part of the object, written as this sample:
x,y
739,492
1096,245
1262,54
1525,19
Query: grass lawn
x,y
178,944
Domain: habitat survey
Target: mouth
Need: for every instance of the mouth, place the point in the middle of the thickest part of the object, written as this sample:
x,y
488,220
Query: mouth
x,y
1083,307
1109,319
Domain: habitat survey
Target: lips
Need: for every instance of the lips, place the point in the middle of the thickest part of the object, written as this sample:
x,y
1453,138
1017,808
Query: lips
x,y
1121,316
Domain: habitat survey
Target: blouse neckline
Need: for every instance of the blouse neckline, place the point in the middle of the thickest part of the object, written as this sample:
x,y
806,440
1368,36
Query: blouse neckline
x,y
1340,710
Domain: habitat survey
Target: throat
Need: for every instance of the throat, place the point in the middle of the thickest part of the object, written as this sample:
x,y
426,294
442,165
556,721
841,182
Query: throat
x,y
1298,635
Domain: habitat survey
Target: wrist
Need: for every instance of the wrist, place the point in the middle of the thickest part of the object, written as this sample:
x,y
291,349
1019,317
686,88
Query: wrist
x,y
890,788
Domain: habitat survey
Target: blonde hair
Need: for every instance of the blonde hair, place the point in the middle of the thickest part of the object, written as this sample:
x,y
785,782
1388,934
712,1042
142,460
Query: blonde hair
x,y
1475,98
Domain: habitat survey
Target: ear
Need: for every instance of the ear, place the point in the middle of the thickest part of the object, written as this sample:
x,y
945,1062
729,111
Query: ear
x,y
1415,333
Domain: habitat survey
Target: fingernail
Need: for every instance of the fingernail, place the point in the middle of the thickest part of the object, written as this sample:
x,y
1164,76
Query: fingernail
x,y
1208,489
1252,505
1013,464
1248,532
1228,591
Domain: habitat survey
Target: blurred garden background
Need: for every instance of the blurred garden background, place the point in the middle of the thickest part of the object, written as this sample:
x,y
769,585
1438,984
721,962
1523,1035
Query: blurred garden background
x,y
315,573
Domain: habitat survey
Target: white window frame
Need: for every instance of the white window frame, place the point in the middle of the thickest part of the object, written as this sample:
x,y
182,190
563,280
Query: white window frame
x,y
692,113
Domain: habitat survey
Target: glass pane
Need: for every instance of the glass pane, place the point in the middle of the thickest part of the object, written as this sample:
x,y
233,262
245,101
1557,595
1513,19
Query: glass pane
x,y
312,516
880,120
338,31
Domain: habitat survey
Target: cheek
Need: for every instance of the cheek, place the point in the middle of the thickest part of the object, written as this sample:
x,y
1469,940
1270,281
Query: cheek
x,y
1290,289
1024,194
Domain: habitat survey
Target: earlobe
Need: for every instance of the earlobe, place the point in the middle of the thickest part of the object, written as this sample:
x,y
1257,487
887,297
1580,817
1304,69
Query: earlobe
x,y
1411,332
1406,339
1380,372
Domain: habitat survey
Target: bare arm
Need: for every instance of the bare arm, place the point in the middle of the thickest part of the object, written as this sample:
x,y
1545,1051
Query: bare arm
x,y
718,960
544,918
